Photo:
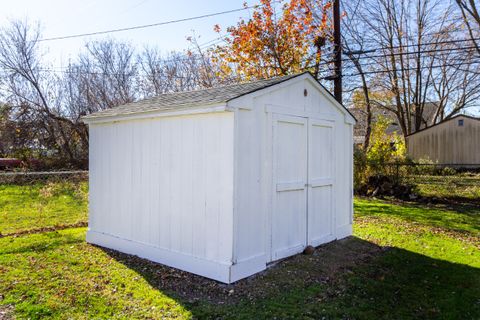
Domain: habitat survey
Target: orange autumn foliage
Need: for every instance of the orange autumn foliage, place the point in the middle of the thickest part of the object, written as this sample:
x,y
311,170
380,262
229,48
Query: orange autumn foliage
x,y
270,44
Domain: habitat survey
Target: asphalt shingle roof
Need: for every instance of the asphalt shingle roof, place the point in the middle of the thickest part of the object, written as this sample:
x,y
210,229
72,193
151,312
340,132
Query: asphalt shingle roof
x,y
189,99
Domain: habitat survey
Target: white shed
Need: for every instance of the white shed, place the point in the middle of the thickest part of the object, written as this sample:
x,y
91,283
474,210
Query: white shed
x,y
220,182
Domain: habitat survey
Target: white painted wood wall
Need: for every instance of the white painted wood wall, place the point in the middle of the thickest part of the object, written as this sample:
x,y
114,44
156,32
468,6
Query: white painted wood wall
x,y
203,192
165,183
255,195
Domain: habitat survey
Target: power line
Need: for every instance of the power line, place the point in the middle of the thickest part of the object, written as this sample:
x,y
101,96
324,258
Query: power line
x,y
416,45
187,58
413,68
217,40
386,55
441,51
442,55
393,47
77,71
84,72
147,25
417,52
180,57
213,42
437,33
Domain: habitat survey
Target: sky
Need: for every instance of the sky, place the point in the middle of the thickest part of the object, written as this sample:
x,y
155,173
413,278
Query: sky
x,y
67,17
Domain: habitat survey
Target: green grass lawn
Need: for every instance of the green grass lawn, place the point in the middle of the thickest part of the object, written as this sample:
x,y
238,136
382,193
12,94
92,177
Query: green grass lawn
x,y
27,207
405,261
433,267
58,275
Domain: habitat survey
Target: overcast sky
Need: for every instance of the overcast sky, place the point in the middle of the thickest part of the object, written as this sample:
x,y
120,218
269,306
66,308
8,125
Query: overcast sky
x,y
67,17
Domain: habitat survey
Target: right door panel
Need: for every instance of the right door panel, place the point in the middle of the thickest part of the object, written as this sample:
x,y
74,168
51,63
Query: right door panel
x,y
321,183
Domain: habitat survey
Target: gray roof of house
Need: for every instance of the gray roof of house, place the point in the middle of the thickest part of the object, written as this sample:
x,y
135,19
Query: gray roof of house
x,y
188,99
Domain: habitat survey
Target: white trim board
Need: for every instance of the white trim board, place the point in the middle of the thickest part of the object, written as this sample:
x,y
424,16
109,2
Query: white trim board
x,y
224,272
158,114
213,270
248,267
281,110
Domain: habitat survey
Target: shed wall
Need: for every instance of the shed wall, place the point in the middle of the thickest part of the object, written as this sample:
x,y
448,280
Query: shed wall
x,y
195,191
253,194
448,143
166,183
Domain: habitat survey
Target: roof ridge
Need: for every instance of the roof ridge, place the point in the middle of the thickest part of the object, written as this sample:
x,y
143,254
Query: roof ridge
x,y
230,85
153,98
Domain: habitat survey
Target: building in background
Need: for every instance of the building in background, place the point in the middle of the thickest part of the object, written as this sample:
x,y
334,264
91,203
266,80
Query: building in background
x,y
360,114
454,142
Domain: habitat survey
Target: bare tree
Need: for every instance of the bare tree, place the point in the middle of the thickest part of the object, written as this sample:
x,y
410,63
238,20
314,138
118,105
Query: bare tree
x,y
471,17
413,57
179,71
33,92
51,102
171,73
455,88
46,104
355,35
107,72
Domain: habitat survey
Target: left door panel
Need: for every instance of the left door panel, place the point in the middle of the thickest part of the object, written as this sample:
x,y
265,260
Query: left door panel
x,y
289,214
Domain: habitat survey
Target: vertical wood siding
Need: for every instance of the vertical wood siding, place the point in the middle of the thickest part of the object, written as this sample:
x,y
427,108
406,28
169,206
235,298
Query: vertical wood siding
x,y
216,186
448,143
253,189
165,182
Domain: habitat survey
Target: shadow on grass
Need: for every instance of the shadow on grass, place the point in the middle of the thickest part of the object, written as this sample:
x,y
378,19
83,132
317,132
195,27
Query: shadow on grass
x,y
402,284
455,203
350,278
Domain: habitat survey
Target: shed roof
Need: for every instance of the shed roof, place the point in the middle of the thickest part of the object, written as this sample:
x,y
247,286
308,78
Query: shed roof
x,y
197,98
186,99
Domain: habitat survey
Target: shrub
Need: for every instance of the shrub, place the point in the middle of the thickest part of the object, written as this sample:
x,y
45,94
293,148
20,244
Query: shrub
x,y
385,147
448,171
379,162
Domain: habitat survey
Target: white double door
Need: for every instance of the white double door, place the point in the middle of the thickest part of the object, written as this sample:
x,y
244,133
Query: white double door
x,y
303,183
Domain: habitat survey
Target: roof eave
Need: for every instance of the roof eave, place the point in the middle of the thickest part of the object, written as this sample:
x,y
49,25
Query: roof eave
x,y
159,113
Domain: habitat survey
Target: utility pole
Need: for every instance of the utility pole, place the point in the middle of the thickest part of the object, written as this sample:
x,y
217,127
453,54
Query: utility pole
x,y
337,81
